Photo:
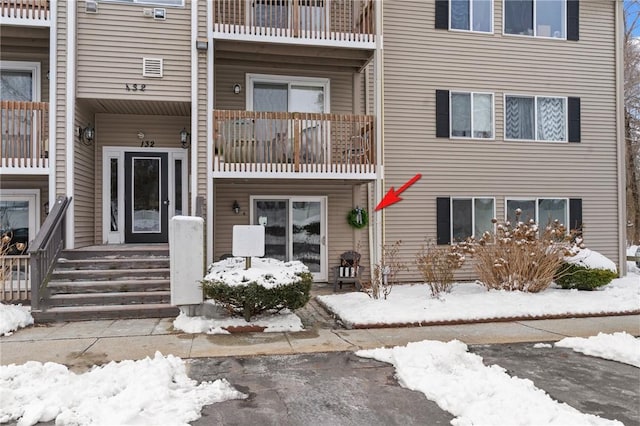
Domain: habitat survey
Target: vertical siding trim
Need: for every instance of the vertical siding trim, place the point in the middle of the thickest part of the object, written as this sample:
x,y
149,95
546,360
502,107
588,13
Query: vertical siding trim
x,y
573,109
53,99
210,98
443,220
70,119
621,152
573,20
442,14
442,113
194,106
378,238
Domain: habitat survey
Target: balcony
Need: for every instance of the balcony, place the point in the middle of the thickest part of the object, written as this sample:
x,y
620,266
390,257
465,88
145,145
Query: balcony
x,y
250,144
347,23
25,137
25,12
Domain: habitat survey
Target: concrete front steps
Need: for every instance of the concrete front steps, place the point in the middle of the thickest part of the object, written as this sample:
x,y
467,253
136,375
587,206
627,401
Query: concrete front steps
x,y
109,282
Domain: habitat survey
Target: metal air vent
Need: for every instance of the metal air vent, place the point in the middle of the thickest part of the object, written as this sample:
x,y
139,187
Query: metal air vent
x,y
152,67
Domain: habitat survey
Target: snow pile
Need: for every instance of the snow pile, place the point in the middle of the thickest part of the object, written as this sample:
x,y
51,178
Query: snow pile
x,y
542,345
147,392
13,317
621,347
461,384
266,272
468,302
631,266
283,321
592,259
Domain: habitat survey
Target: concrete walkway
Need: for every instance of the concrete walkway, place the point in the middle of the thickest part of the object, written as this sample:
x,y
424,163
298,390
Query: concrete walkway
x,y
81,345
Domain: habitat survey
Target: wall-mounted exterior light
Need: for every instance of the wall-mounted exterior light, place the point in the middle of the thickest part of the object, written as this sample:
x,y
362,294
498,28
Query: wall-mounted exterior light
x,y
86,135
185,138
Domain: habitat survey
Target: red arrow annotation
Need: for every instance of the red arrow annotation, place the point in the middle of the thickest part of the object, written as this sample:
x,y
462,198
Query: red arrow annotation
x,y
393,196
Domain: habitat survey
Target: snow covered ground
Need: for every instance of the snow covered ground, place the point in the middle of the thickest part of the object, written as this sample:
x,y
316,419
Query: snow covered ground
x,y
409,304
621,347
151,391
285,321
476,394
13,317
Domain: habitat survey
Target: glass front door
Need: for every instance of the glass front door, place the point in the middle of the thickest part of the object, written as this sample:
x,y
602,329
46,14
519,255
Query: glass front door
x,y
146,198
295,229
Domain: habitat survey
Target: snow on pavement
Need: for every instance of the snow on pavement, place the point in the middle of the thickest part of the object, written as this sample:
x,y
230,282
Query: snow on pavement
x,y
621,347
151,391
280,322
13,317
461,384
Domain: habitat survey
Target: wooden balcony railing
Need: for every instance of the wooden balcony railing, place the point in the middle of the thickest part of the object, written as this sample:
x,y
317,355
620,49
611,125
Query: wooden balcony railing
x,y
25,9
338,20
14,278
25,134
282,142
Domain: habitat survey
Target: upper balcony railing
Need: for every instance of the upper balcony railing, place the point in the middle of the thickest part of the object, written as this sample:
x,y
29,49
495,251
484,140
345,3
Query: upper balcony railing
x,y
308,20
30,12
284,144
25,137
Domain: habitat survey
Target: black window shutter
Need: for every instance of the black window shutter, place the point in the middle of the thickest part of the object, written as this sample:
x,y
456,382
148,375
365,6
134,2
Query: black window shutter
x,y
442,113
443,214
573,20
442,14
573,105
575,215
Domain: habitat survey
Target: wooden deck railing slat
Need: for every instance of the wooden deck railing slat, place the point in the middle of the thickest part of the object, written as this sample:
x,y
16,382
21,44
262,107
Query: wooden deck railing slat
x,y
276,142
25,9
24,137
339,20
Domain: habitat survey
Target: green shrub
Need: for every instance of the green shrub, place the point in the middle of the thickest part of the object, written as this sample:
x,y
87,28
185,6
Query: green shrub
x,y
575,276
251,298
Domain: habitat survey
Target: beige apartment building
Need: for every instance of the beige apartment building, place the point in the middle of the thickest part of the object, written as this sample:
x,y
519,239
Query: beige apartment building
x,y
120,114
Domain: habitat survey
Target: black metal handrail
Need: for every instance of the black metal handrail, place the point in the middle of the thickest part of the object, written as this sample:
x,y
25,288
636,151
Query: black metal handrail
x,y
46,248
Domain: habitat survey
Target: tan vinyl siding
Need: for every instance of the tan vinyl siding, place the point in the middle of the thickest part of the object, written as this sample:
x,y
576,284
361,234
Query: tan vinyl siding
x,y
112,43
340,236
341,85
84,183
122,130
28,45
420,60
61,88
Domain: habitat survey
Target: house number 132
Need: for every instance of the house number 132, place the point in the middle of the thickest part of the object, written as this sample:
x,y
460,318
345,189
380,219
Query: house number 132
x,y
134,87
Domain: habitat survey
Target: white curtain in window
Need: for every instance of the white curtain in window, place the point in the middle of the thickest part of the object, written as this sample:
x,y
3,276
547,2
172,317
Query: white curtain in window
x,y
460,14
519,118
482,15
16,85
461,114
484,213
551,119
482,115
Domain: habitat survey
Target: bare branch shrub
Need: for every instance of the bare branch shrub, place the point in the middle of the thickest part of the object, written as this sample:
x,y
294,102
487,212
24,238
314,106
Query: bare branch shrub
x,y
438,264
386,271
521,257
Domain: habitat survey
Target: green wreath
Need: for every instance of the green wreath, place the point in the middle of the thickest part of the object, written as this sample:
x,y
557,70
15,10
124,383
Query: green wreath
x,y
358,218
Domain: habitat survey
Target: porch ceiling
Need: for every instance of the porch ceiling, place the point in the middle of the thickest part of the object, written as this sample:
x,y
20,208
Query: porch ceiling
x,y
277,55
136,107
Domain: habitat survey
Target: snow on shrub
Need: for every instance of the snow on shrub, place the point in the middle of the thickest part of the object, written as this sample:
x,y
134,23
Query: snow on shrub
x,y
269,285
586,270
522,256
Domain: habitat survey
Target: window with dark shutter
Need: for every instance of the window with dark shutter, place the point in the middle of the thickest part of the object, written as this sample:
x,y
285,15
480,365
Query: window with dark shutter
x,y
573,112
442,113
443,218
442,14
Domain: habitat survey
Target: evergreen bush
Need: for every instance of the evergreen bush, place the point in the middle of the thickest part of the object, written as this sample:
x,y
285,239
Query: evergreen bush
x,y
571,276
250,299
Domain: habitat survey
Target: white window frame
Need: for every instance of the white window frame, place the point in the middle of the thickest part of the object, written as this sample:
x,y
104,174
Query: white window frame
x,y
325,83
493,114
535,23
536,201
32,196
145,3
33,67
535,117
117,152
324,235
470,30
473,214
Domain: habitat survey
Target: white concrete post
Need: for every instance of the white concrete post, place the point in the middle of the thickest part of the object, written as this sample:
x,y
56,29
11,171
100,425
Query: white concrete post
x,y
186,260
